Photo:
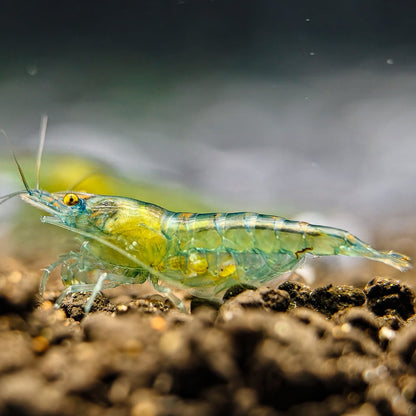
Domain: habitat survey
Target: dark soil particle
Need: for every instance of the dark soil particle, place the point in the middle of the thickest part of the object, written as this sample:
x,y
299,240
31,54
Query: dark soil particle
x,y
236,290
386,297
330,299
263,298
299,293
336,350
73,305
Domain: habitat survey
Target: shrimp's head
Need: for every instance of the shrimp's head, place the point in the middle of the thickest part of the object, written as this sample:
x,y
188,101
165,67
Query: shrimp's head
x,y
65,208
91,213
106,221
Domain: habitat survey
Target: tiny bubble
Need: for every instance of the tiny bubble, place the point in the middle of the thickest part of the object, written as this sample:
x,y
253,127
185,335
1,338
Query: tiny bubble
x,y
32,69
311,53
307,20
389,61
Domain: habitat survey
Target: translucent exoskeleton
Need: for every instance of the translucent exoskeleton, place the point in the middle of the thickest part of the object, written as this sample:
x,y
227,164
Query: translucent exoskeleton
x,y
125,240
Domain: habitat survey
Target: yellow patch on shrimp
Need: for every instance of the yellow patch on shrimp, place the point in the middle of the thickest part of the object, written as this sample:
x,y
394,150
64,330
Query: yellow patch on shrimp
x,y
227,270
197,263
177,262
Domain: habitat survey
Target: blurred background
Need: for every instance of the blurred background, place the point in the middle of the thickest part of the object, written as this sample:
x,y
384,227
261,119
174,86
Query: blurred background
x,y
304,108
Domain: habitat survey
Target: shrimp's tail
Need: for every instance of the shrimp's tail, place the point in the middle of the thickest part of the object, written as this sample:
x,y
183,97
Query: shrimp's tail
x,y
397,260
326,241
360,249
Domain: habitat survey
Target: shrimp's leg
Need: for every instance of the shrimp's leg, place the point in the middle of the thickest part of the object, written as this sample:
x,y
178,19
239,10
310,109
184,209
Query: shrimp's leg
x,y
81,287
166,291
62,259
114,281
97,288
72,289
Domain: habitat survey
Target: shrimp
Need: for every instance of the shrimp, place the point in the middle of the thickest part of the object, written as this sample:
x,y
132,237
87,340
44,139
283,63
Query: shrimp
x,y
128,241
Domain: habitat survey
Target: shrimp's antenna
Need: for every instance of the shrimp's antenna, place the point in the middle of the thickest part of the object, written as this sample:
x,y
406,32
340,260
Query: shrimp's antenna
x,y
5,198
19,168
43,125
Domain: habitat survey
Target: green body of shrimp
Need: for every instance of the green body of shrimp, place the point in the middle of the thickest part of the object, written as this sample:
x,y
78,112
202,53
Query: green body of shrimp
x,y
129,241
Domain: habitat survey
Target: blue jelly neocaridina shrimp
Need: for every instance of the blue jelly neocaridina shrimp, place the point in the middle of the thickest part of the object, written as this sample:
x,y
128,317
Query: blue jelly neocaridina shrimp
x,y
125,240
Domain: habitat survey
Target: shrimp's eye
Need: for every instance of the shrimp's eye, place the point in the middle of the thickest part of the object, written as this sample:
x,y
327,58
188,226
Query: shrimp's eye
x,y
71,199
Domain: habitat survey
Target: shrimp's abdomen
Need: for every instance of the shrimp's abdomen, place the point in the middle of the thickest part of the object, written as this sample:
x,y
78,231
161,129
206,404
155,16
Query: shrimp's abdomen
x,y
206,250
221,250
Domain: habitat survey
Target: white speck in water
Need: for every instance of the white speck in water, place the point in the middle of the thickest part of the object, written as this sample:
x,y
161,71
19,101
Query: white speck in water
x,y
32,69
389,61
307,20
312,53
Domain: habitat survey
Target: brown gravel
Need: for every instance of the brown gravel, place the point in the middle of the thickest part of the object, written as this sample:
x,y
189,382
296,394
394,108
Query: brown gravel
x,y
334,350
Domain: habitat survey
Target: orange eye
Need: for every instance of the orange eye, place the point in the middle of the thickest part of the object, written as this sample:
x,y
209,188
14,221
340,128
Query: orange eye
x,y
71,199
